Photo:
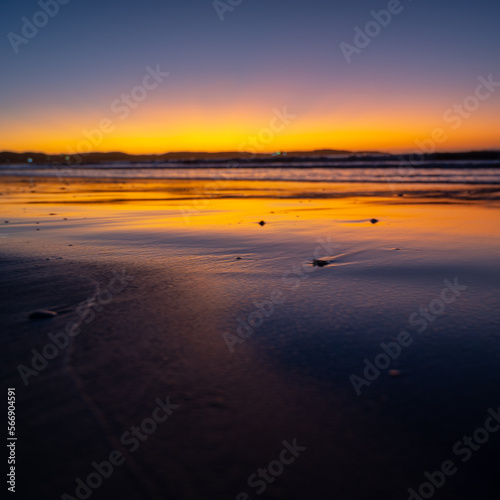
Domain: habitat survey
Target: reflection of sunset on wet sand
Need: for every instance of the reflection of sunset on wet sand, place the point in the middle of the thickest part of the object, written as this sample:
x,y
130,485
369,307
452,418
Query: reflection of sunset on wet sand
x,y
232,319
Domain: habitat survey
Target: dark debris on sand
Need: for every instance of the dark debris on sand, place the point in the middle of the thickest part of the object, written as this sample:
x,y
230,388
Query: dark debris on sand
x,y
42,314
320,263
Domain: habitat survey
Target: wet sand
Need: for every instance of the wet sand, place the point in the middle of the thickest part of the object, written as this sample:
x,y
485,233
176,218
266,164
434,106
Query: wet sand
x,y
191,317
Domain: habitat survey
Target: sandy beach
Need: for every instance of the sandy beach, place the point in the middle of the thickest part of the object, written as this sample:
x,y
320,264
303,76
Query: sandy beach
x,y
342,348
250,250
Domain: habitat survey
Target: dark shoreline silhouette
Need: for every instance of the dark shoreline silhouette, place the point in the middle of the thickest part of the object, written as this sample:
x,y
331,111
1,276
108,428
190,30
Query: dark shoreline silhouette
x,y
413,159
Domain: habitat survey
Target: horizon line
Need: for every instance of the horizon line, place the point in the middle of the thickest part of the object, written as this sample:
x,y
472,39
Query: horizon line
x,y
262,153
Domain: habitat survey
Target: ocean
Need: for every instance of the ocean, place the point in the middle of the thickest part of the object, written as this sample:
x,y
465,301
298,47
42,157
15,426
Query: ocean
x,y
336,170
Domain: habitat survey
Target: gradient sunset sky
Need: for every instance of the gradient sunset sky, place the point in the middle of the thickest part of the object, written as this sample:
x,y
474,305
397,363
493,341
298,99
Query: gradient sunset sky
x,y
226,77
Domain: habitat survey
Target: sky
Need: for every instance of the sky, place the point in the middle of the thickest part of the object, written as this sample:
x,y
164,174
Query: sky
x,y
252,75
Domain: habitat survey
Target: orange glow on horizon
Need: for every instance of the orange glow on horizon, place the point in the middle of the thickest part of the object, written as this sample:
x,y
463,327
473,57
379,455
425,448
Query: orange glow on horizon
x,y
155,128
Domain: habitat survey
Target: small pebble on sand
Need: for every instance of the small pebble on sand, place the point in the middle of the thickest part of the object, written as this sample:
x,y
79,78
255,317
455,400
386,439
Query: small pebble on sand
x,y
320,263
42,314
